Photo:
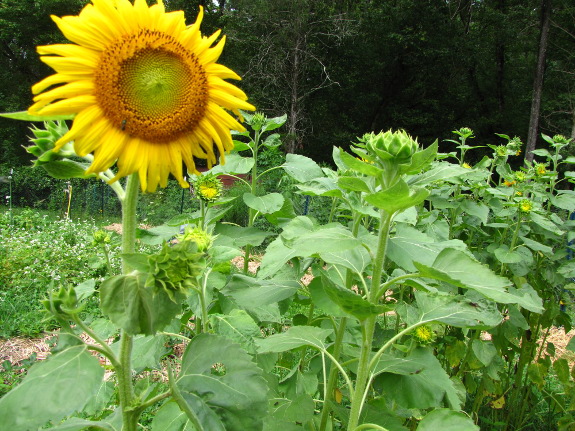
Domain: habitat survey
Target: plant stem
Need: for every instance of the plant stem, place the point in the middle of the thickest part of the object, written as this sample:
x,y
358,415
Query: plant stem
x,y
368,325
124,371
254,183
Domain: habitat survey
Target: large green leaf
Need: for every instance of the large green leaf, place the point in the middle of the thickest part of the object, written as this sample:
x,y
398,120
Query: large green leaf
x,y
356,259
277,254
266,204
294,337
249,292
299,410
221,380
356,184
146,351
302,168
53,389
455,267
242,236
239,327
446,420
359,166
307,238
320,187
77,424
235,164
454,310
134,307
350,302
428,387
397,198
409,244
440,171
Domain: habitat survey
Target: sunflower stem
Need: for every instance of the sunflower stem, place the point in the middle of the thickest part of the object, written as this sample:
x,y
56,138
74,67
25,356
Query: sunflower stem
x,y
124,371
368,325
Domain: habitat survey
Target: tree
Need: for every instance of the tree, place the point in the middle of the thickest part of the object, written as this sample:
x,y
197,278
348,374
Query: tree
x,y
538,80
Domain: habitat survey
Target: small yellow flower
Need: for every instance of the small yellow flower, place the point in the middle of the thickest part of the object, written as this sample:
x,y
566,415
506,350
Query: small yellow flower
x,y
508,183
540,169
525,205
466,165
518,193
208,187
424,334
520,176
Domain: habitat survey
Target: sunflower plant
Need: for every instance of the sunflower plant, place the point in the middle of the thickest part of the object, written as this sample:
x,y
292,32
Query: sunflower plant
x,y
146,96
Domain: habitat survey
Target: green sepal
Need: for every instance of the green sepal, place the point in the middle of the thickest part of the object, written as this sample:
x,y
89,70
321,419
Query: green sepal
x,y
24,116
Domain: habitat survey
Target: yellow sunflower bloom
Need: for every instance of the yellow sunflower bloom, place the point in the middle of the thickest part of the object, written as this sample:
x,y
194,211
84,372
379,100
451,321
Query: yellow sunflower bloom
x,y
146,89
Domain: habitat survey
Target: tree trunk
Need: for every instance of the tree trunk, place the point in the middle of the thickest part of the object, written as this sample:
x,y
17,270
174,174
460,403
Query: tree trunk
x,y
538,81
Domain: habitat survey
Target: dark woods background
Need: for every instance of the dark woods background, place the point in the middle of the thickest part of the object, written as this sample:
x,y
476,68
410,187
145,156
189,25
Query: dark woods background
x,y
341,68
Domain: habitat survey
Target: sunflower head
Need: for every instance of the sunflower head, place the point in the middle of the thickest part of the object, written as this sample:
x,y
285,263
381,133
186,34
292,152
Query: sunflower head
x,y
208,187
424,334
526,205
145,90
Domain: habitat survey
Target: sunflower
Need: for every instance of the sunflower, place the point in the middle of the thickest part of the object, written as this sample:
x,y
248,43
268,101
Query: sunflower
x,y
146,90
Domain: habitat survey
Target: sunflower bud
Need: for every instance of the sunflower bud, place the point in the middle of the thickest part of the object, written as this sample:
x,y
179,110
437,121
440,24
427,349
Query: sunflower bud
x,y
392,146
196,234
525,205
258,121
175,269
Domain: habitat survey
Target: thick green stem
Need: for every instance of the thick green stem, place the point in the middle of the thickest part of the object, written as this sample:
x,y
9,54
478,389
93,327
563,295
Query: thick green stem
x,y
254,183
124,371
368,326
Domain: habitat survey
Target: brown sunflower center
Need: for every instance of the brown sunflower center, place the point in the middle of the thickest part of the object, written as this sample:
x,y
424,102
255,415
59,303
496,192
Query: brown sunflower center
x,y
150,86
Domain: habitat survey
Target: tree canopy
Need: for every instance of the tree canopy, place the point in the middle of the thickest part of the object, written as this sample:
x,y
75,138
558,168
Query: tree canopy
x,y
341,68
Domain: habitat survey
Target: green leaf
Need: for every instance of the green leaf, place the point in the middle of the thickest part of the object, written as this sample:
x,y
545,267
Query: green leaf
x,y
397,198
77,424
459,269
359,166
235,164
249,292
430,387
221,378
564,199
477,209
239,327
439,172
277,254
446,420
274,123
242,236
409,245
146,351
421,159
320,187
53,389
294,337
24,116
504,255
356,259
266,204
170,418
322,301
300,409
484,350
350,302
355,184
64,169
545,223
135,308
306,238
302,168
537,246
454,310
